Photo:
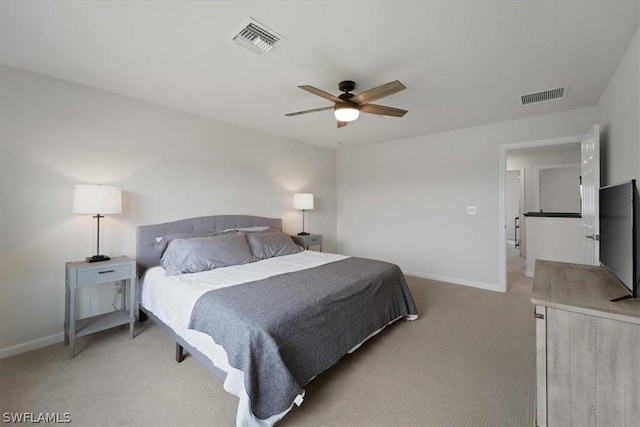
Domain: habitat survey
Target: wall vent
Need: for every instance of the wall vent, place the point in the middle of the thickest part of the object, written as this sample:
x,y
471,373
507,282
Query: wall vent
x,y
256,37
545,95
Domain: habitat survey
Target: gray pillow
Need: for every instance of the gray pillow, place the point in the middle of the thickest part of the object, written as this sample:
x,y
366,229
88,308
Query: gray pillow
x,y
163,242
205,253
268,245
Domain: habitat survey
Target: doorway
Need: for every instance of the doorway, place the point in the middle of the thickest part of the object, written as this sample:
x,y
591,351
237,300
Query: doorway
x,y
508,254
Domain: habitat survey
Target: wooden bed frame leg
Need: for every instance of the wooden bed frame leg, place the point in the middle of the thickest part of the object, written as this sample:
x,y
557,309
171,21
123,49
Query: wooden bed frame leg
x,y
179,353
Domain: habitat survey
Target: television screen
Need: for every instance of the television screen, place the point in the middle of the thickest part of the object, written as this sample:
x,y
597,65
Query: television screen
x,y
617,233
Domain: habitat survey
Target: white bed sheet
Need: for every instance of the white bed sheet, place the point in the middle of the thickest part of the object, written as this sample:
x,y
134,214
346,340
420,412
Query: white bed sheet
x,y
171,299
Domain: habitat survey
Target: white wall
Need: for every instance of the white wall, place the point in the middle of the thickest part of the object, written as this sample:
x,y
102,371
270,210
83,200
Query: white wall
x,y
560,189
405,201
553,239
619,116
170,165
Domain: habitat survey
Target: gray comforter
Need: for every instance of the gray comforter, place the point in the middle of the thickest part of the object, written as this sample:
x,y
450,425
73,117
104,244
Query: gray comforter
x,y
284,330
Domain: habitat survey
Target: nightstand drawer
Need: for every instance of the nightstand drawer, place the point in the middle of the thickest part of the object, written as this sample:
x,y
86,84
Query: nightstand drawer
x,y
104,274
307,240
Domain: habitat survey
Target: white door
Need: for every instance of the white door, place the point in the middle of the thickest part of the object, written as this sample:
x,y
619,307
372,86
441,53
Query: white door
x,y
589,200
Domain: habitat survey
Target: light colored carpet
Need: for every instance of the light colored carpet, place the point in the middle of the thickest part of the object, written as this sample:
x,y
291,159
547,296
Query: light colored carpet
x,y
517,281
469,360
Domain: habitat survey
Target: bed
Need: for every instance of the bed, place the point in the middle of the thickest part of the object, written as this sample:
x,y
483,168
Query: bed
x,y
266,321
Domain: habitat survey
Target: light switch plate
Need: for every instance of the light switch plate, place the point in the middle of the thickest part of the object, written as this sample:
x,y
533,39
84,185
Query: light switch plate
x,y
471,210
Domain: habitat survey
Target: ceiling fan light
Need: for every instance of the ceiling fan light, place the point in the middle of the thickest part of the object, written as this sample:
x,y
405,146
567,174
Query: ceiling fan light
x,y
346,114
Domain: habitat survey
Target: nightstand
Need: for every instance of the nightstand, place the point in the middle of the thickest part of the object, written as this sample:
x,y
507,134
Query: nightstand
x,y
308,240
80,274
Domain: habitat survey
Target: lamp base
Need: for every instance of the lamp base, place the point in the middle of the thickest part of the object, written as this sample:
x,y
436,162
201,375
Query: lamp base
x,y
303,233
97,258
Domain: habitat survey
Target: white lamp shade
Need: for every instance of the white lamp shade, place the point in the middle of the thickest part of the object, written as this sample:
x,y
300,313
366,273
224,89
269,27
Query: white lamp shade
x,y
303,201
97,199
346,114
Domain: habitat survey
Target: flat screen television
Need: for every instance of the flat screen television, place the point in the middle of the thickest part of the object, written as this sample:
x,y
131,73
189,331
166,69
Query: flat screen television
x,y
619,234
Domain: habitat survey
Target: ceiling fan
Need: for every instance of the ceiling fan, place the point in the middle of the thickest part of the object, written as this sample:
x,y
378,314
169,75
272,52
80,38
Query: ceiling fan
x,y
347,106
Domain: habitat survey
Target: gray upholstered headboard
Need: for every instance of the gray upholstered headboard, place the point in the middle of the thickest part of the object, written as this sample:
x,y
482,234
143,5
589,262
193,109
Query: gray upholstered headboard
x,y
147,252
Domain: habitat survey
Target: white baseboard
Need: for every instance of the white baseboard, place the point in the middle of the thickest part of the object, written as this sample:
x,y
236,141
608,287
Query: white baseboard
x,y
31,345
471,283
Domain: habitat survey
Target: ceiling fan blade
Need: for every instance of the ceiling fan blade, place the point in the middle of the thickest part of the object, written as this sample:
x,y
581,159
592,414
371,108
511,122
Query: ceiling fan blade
x,y
342,124
382,110
315,110
378,92
321,93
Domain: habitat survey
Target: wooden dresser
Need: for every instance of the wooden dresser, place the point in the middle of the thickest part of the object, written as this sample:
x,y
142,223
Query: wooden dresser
x,y
587,347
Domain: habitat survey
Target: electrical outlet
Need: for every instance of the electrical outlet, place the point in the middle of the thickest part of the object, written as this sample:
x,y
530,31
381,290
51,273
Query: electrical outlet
x,y
471,210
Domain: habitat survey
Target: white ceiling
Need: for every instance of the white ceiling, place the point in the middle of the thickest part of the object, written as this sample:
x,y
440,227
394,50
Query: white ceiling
x,y
464,63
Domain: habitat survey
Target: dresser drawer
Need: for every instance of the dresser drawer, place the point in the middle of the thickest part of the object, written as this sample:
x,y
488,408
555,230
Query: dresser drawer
x,y
104,274
313,241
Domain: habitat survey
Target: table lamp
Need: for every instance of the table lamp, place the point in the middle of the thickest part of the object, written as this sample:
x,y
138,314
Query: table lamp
x,y
303,202
99,200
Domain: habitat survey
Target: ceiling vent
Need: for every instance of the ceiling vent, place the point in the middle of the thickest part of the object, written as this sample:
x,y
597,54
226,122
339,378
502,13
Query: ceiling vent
x,y
256,37
545,95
